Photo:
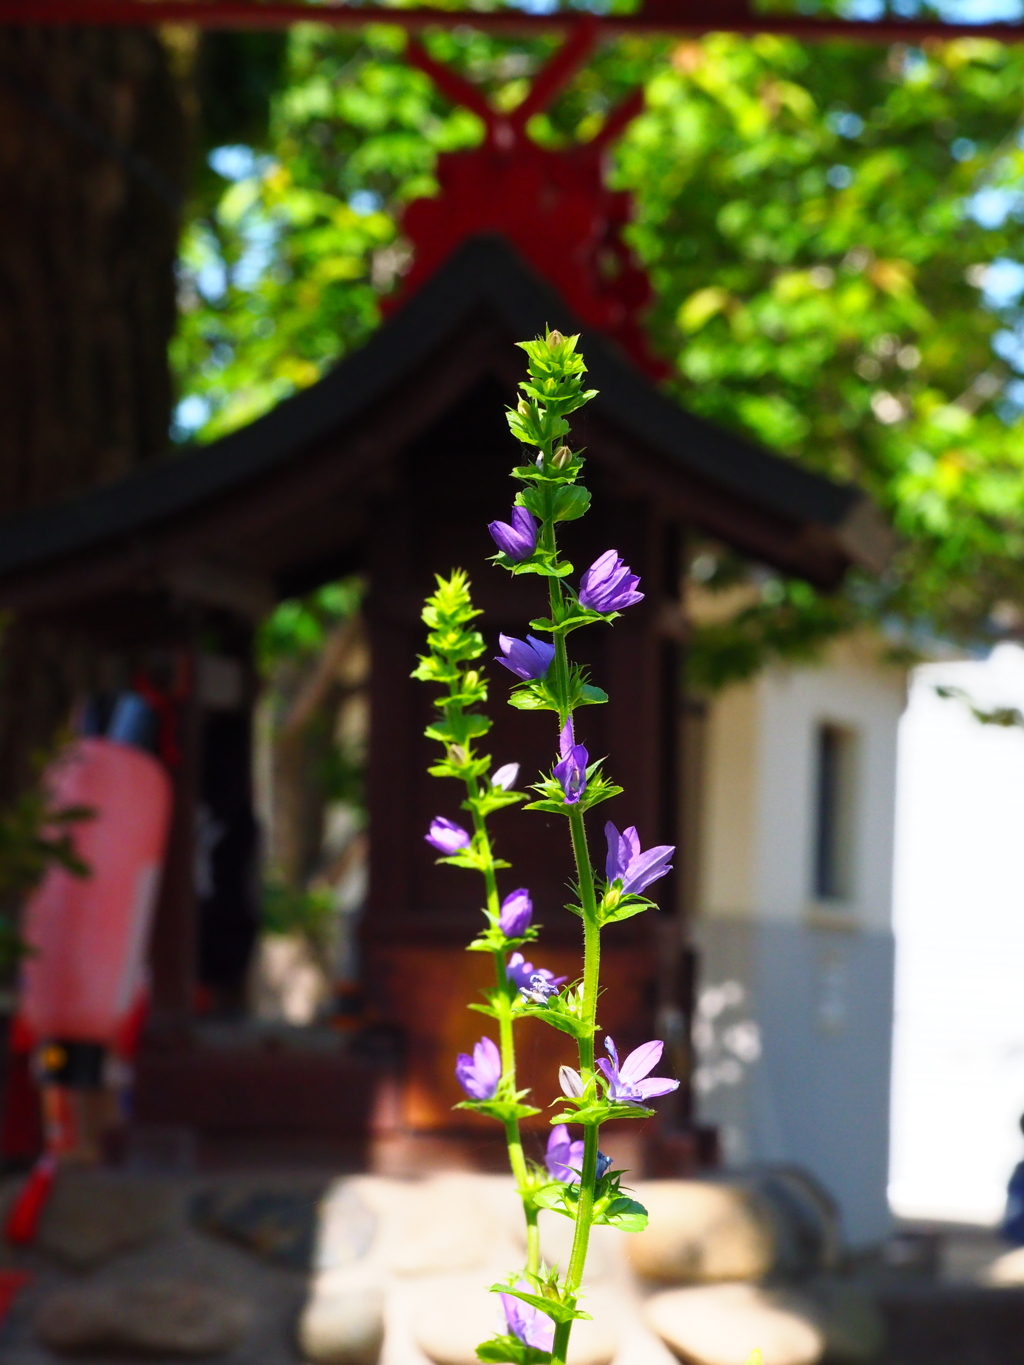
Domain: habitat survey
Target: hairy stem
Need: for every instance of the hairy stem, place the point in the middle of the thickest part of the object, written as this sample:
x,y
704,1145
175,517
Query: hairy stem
x,y
591,979
556,600
591,939
585,1212
490,876
507,1046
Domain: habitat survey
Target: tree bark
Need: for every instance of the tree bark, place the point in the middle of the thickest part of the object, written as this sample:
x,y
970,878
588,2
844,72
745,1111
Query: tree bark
x,y
92,160
91,154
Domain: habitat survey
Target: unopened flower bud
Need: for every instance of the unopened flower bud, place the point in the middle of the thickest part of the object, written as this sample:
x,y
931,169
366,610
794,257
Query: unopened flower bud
x,y
562,458
571,1083
457,753
506,776
523,408
555,339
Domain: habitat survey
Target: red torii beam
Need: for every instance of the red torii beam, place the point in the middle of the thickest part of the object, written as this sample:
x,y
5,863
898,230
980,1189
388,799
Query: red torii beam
x,y
683,17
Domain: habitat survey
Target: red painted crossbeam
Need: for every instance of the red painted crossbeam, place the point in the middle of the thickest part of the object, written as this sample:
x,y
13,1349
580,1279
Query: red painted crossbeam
x,y
663,16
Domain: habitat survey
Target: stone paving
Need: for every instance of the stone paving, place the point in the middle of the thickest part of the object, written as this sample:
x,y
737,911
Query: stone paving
x,y
273,1290
230,1254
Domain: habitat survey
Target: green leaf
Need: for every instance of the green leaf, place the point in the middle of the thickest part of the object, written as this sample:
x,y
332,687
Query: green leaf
x,y
456,730
552,1197
494,798
565,1023
502,1110
554,1308
545,568
527,700
625,908
534,696
509,1349
570,503
573,617
564,1011
601,1111
596,791
462,771
493,940
628,1215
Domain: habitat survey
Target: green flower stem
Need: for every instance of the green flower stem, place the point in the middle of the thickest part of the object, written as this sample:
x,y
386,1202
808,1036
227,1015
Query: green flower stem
x,y
591,939
560,1345
513,1137
561,669
591,979
591,973
532,1240
490,877
556,599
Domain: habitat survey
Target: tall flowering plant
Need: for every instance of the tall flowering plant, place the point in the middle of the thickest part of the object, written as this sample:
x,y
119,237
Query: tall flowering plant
x,y
540,1302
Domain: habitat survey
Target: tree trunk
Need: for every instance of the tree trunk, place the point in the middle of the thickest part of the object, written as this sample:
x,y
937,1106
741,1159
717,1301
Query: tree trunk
x,y
92,156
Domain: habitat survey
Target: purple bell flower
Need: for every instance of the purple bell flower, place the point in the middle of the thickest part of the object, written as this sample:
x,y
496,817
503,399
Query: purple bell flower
x,y
564,1158
519,540
626,1083
529,979
527,659
479,1075
516,913
626,863
447,836
528,1324
608,585
542,987
571,771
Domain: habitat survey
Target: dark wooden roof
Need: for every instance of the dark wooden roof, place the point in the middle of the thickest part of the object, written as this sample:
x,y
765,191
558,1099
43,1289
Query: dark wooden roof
x,y
249,500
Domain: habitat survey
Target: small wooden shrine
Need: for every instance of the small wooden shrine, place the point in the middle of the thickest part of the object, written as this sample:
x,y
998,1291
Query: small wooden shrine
x,y
392,465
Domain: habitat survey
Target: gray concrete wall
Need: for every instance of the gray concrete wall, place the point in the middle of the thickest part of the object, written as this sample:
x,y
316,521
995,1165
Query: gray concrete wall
x,y
817,1005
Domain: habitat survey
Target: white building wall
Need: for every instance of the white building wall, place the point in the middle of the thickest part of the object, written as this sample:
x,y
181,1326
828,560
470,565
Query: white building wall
x,y
815,979
959,916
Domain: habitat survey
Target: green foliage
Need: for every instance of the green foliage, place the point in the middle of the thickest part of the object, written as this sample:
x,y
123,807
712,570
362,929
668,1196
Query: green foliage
x,y
612,1208
787,621
35,835
817,220
1006,717
282,273
511,1350
598,789
809,218
452,644
296,630
306,913
555,1308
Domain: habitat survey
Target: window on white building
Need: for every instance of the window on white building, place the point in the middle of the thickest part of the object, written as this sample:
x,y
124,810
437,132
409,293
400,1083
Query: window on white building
x,y
834,813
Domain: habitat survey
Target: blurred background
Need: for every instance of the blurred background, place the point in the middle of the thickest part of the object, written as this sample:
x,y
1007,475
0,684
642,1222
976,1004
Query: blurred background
x,y
262,273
